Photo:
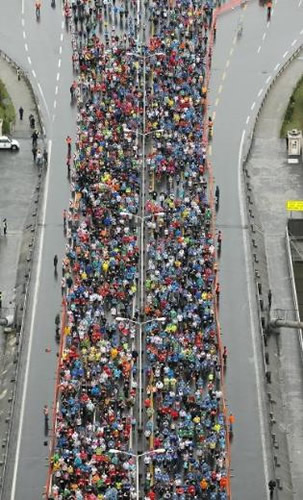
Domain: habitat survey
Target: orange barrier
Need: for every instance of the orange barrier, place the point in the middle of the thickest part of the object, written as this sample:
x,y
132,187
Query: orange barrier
x,y
205,141
56,401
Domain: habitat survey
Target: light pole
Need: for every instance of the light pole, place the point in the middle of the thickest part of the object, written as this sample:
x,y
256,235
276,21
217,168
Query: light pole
x,y
140,324
142,219
137,456
143,134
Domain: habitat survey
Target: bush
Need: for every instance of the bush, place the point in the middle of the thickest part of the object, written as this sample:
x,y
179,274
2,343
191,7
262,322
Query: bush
x,y
293,117
7,110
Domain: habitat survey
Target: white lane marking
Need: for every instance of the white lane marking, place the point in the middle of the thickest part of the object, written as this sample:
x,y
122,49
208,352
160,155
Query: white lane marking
x,y
259,49
247,120
276,66
22,7
263,37
294,42
58,76
44,100
26,47
61,37
34,73
60,50
22,20
285,54
252,106
301,32
29,60
267,79
268,24
260,92
31,331
253,327
24,35
55,104
300,3
59,63
62,24
56,90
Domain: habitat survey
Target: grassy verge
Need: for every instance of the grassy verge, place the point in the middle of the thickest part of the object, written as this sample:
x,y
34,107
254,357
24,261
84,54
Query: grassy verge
x,y
293,117
7,110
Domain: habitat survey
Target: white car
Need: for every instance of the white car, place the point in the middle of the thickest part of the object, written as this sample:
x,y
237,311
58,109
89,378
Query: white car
x,y
7,143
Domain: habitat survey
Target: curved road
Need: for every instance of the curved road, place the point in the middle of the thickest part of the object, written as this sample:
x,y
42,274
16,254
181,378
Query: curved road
x,y
241,70
250,64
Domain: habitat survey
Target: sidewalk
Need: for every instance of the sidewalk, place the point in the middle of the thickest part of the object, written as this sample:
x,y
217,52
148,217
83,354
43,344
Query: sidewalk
x,y
18,195
21,96
273,182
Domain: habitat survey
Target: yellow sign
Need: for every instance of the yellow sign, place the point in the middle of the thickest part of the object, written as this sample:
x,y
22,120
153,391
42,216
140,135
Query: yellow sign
x,y
294,205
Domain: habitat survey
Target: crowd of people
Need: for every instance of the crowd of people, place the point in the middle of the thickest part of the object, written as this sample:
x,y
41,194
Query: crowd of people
x,y
141,102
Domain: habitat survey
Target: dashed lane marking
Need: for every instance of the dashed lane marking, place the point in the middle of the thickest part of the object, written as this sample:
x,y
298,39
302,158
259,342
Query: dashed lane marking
x,y
253,105
267,79
285,54
34,73
29,60
260,92
58,76
217,101
26,47
247,120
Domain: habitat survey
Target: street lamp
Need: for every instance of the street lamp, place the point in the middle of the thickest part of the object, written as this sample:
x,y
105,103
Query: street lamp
x,y
130,131
142,218
140,324
158,451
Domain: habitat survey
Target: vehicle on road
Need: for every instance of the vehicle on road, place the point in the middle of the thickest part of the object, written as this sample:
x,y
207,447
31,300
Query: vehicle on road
x,y
7,143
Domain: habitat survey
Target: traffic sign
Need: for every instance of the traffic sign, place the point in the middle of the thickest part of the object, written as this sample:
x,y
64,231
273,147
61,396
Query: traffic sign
x,y
294,205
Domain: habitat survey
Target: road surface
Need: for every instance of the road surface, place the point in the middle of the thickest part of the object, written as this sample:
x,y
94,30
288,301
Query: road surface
x,y
251,62
241,69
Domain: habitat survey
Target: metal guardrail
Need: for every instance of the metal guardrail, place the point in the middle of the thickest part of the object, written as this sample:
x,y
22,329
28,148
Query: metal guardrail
x,y
293,286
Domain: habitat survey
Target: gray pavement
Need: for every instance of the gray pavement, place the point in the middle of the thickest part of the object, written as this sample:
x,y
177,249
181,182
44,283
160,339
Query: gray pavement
x,y
274,182
19,190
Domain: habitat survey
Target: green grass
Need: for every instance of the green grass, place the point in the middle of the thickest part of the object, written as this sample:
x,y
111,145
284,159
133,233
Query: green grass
x,y
7,110
293,117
